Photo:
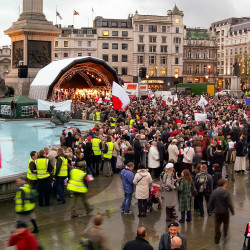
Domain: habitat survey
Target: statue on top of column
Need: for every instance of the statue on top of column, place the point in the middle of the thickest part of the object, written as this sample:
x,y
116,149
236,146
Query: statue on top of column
x,y
236,68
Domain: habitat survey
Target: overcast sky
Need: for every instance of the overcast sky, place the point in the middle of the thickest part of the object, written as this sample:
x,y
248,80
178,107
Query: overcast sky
x,y
197,13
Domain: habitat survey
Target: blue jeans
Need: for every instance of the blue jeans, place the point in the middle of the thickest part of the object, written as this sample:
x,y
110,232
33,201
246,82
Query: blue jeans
x,y
60,188
126,202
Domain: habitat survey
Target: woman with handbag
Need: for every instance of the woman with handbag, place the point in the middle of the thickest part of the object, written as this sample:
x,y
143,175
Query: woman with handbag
x,y
142,182
185,195
168,184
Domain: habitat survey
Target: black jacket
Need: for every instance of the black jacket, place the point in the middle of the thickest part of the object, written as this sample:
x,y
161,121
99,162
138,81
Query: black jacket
x,y
137,147
137,244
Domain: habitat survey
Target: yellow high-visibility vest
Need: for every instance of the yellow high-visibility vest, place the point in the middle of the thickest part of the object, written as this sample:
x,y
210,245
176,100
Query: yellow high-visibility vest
x,y
76,183
95,146
113,123
108,155
64,168
30,175
28,206
42,168
98,117
131,123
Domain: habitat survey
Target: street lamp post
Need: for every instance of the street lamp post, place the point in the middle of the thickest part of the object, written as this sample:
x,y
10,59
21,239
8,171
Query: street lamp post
x,y
209,67
176,77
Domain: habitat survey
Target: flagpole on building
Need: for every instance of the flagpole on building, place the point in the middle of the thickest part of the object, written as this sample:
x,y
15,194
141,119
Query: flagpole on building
x,y
56,14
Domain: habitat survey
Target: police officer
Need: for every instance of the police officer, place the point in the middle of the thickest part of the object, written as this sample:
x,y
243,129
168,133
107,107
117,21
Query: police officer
x,y
97,147
107,155
44,168
31,171
24,207
60,173
79,186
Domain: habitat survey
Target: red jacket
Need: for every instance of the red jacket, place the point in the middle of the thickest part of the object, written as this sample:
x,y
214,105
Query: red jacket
x,y
24,241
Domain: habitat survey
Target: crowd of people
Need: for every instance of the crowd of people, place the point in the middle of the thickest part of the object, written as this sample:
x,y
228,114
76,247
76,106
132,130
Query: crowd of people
x,y
152,146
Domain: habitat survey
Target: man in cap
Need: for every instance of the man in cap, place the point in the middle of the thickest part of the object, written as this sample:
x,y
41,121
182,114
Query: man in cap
x,y
167,238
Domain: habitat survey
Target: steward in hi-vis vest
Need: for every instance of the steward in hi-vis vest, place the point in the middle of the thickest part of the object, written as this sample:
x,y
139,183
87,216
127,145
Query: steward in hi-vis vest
x,y
97,116
60,173
97,150
24,205
44,170
31,170
79,186
107,155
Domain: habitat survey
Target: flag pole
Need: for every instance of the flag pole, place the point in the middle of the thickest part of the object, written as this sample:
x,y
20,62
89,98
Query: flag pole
x,y
56,14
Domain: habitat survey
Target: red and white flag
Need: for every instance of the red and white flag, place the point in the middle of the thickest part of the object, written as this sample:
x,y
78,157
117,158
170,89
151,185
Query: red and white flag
x,y
119,97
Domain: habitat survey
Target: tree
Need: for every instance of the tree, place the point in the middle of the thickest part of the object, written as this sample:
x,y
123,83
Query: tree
x,y
244,65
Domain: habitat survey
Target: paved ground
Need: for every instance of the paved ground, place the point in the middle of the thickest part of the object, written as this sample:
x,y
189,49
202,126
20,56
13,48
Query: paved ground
x,y
59,231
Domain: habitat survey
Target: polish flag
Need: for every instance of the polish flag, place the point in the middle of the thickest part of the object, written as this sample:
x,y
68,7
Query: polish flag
x,y
119,97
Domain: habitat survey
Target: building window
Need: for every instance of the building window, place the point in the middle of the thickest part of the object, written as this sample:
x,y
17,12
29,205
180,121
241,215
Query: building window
x,y
65,54
151,71
114,45
164,49
124,46
176,60
89,54
114,33
113,24
114,58
105,57
152,60
162,71
163,29
124,33
123,24
205,68
197,55
89,43
189,69
205,55
152,28
177,30
65,44
168,29
105,33
56,55
140,59
176,49
189,54
163,39
56,44
79,43
140,39
79,54
124,71
197,69
163,60
140,48
124,58
177,40
141,28
105,45
104,23
152,48
152,39
231,51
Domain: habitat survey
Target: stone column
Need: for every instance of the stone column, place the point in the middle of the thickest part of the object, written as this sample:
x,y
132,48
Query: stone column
x,y
33,6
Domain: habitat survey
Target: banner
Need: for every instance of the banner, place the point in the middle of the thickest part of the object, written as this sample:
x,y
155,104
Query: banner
x,y
62,106
200,117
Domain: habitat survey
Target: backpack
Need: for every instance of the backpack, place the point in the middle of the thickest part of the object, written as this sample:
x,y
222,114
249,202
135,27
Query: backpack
x,y
85,242
201,183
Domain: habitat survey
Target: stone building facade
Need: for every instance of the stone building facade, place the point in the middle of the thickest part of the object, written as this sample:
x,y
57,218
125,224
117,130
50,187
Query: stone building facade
x,y
5,61
199,57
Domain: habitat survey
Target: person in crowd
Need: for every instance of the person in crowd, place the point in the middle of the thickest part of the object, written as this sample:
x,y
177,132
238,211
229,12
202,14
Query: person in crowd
x,y
216,174
166,238
44,170
142,181
185,195
169,185
79,186
13,108
24,206
218,157
97,150
97,235
63,138
173,151
31,170
88,156
241,152
51,155
230,160
138,150
22,238
161,149
220,202
154,160
188,156
140,243
127,177
115,153
129,155
70,141
60,174
176,243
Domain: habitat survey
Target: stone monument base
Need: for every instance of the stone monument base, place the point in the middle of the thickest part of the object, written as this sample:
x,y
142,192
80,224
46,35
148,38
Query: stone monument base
x,y
235,86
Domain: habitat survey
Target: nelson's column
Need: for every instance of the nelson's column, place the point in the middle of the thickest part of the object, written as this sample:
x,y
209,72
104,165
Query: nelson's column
x,y
32,43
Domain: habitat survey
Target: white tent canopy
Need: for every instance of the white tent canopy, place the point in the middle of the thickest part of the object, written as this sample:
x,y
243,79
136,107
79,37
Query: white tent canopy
x,y
48,75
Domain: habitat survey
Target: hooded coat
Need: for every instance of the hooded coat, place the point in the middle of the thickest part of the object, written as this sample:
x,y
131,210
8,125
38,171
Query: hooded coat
x,y
142,181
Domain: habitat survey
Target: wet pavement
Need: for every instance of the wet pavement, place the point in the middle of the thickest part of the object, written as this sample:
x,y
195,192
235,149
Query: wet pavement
x,y
59,231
